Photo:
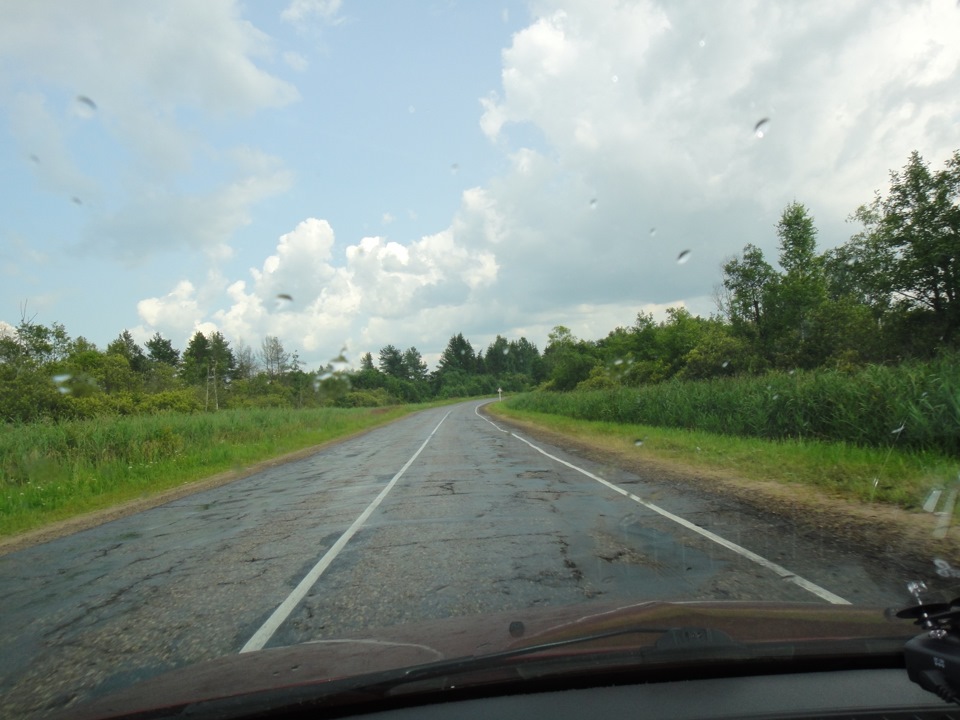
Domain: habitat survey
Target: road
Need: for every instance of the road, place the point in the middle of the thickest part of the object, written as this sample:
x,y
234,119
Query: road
x,y
440,514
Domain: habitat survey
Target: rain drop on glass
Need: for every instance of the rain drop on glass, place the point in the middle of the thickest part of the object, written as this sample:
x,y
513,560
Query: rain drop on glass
x,y
84,107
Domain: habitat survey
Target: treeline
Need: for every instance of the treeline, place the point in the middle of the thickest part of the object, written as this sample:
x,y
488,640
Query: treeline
x,y
47,375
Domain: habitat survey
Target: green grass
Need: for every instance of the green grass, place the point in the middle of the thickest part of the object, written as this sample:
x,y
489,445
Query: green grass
x,y
912,406
50,472
903,478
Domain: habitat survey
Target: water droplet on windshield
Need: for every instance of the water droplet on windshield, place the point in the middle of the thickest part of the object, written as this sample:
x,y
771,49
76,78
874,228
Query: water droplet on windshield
x,y
506,351
411,109
340,362
516,629
59,381
84,107
454,168
761,127
76,201
653,232
593,203
725,363
615,79
898,430
34,158
283,300
703,41
638,443
683,257
618,361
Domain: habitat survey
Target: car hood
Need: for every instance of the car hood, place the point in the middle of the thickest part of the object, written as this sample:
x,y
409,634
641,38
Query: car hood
x,y
804,628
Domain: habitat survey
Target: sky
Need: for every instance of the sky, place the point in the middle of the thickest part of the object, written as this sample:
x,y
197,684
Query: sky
x,y
353,174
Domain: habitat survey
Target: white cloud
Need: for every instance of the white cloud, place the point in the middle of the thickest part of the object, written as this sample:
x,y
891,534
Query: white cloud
x,y
375,288
156,75
158,219
296,61
669,144
300,12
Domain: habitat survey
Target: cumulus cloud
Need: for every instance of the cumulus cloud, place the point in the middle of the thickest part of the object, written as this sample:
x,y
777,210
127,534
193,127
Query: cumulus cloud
x,y
336,299
647,112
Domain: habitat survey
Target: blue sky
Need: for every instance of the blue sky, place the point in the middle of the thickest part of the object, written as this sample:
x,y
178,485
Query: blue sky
x,y
408,171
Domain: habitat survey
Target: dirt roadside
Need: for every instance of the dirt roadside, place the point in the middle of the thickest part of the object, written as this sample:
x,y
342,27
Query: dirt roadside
x,y
875,528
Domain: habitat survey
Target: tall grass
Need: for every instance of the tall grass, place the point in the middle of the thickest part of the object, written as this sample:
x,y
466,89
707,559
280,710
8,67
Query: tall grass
x,y
912,406
51,471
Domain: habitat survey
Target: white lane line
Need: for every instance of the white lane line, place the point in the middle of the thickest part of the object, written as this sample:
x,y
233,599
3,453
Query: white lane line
x,y
266,631
781,571
476,411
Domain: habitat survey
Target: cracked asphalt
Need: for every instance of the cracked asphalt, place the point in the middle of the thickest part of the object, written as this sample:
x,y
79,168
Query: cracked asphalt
x,y
480,522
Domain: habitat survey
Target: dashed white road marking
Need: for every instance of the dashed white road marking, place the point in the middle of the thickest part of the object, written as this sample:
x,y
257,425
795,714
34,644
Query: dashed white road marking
x,y
266,631
779,570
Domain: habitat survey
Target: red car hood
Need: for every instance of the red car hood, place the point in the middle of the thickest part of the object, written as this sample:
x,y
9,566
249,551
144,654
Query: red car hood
x,y
403,646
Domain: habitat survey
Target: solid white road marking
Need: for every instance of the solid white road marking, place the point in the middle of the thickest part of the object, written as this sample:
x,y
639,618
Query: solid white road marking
x,y
266,631
781,571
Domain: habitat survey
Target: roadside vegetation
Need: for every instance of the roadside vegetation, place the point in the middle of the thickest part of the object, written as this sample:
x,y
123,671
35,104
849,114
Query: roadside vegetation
x,y
51,471
853,473
858,345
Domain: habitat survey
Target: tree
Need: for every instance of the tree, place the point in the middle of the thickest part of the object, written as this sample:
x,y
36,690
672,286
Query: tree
x,y
196,359
458,355
275,360
391,362
245,360
366,362
34,345
910,246
568,360
221,357
794,299
747,279
524,358
161,350
497,357
125,346
414,364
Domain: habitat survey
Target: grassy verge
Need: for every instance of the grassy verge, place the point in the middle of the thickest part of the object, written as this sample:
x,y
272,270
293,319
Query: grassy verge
x,y
889,476
50,472
912,406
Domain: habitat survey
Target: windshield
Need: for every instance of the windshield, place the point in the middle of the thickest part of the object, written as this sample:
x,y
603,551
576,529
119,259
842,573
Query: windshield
x,y
330,320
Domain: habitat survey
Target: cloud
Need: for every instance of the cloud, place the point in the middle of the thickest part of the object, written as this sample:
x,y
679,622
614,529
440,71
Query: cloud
x,y
300,12
41,137
156,77
296,61
643,126
335,299
157,219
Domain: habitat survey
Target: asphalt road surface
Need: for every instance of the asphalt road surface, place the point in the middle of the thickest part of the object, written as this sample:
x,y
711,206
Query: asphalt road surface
x,y
440,514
